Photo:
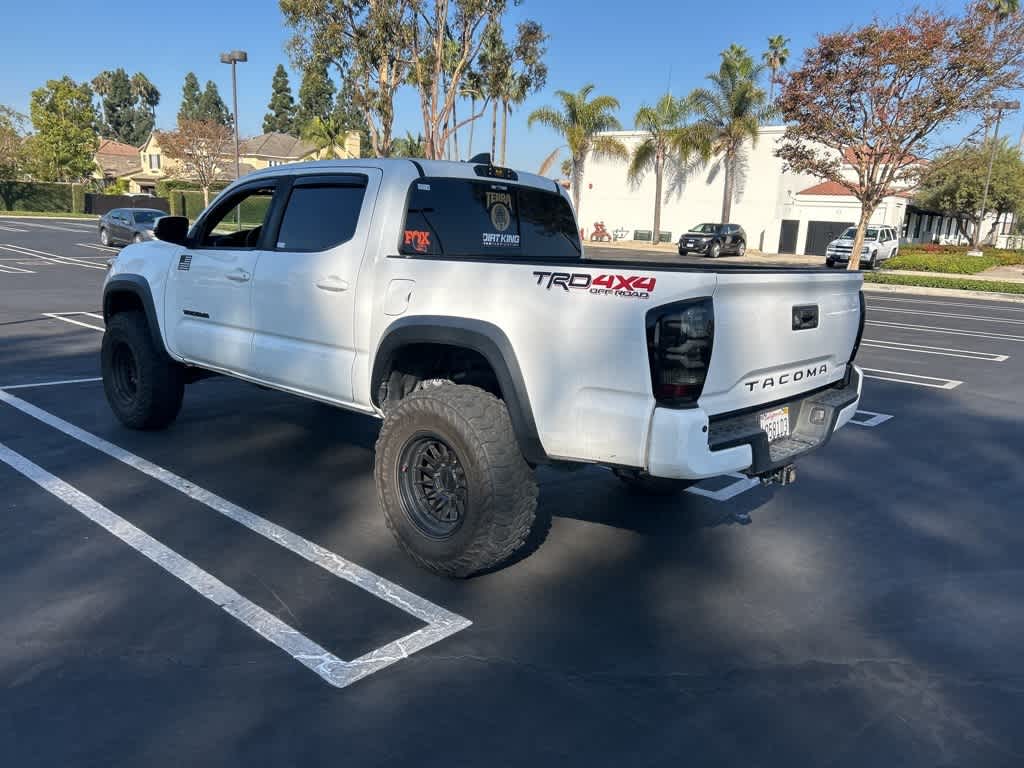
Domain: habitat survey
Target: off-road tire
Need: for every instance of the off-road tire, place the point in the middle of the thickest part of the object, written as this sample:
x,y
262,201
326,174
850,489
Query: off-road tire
x,y
645,485
154,398
501,499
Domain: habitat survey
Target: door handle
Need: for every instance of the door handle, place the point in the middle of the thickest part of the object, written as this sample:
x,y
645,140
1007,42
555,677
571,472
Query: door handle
x,y
332,284
238,276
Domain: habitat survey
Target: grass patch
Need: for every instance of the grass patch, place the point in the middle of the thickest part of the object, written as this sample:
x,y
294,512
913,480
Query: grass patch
x,y
933,281
951,259
49,214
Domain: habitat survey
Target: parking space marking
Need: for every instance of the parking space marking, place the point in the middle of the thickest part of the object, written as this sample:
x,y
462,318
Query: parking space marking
x,y
916,379
55,227
922,349
51,383
440,622
930,313
742,484
873,418
950,331
54,258
264,623
7,228
991,307
99,247
62,316
13,270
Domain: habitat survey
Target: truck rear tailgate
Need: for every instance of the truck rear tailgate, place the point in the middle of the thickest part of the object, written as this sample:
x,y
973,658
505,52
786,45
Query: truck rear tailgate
x,y
778,335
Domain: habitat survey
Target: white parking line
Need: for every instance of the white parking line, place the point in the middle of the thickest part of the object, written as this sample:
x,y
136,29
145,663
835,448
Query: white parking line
x,y
50,383
873,418
55,227
99,247
911,378
6,228
900,346
440,623
54,258
13,270
929,313
991,307
63,317
741,485
950,331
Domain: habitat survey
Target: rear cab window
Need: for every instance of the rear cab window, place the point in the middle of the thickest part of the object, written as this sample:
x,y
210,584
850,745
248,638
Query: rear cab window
x,y
468,218
322,212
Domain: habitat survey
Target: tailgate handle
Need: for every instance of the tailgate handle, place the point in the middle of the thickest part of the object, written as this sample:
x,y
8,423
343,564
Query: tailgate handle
x,y
805,316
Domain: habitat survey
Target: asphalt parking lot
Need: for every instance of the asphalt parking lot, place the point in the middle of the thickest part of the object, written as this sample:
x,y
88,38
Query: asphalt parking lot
x,y
226,592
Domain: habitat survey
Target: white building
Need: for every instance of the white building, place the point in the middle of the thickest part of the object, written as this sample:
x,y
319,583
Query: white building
x,y
782,212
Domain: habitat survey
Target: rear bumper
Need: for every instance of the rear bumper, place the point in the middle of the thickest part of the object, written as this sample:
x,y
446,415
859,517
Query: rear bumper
x,y
686,444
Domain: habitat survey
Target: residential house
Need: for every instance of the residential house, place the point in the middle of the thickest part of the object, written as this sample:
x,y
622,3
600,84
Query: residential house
x,y
782,211
115,160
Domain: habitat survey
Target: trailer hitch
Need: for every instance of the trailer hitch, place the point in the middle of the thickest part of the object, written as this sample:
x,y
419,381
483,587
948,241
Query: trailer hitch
x,y
781,476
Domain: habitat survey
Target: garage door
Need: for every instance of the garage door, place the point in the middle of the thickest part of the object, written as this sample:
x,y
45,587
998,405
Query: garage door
x,y
821,233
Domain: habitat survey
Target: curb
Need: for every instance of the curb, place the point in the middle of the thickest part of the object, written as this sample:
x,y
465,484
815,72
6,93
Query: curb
x,y
945,292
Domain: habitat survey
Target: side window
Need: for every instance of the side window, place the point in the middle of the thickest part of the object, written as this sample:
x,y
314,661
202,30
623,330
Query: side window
x,y
463,217
238,221
321,216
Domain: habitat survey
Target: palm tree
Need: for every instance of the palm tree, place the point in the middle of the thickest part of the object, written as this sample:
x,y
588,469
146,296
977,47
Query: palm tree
x,y
327,133
665,139
580,120
729,114
775,58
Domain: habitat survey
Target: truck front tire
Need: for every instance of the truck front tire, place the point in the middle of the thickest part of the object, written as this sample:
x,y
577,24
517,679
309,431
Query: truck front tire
x,y
143,385
454,487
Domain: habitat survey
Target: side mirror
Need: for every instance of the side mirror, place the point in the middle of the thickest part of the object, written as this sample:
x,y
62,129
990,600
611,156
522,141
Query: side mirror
x,y
171,229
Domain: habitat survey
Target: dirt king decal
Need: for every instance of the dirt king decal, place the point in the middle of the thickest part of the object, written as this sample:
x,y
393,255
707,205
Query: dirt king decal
x,y
624,286
770,382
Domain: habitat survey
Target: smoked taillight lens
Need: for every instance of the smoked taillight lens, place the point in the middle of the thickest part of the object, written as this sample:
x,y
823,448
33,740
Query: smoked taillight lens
x,y
860,328
679,338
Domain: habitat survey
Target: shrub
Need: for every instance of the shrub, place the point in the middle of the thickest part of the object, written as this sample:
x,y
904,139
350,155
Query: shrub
x,y
955,283
37,196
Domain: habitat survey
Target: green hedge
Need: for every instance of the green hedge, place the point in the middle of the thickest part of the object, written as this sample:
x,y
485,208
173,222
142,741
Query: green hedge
x,y
165,187
952,259
38,196
933,281
78,198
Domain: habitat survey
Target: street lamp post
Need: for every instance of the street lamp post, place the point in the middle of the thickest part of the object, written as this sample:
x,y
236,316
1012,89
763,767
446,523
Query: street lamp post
x,y
232,58
1000,107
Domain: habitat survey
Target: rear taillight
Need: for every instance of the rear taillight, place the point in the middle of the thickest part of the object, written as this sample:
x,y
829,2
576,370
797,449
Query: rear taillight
x,y
679,338
860,329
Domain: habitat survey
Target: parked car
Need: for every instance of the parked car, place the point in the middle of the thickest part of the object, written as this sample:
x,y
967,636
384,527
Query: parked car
x,y
442,297
128,225
713,240
880,243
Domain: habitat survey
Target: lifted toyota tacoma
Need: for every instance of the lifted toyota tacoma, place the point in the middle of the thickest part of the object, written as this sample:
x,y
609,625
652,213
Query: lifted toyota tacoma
x,y
454,301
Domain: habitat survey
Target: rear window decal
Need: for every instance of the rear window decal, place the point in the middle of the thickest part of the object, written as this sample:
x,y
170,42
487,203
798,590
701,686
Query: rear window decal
x,y
418,239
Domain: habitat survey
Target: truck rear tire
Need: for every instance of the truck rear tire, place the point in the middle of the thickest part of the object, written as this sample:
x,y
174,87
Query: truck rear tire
x,y
646,485
454,487
143,385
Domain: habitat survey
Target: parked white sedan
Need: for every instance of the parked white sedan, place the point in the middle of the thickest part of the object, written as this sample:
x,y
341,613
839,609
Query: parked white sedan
x,y
880,243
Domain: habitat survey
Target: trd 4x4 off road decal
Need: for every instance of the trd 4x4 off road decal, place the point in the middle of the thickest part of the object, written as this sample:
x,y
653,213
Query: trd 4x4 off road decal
x,y
627,286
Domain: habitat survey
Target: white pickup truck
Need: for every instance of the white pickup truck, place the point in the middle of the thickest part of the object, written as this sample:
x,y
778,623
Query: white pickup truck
x,y
453,301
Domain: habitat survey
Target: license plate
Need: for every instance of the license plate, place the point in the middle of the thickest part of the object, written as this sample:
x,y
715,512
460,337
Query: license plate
x,y
689,242
775,423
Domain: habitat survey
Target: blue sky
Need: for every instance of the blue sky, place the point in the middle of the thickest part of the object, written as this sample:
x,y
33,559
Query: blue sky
x,y
632,55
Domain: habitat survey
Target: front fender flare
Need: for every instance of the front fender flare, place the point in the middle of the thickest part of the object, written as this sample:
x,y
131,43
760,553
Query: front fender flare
x,y
138,286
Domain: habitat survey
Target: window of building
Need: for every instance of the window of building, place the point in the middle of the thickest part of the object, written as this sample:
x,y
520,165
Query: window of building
x,y
461,217
154,162
321,215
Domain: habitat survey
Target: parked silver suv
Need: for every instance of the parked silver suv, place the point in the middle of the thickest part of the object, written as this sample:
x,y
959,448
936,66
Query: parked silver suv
x,y
880,243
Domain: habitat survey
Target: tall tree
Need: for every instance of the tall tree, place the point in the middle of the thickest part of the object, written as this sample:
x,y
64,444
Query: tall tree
x,y
212,107
729,114
666,139
12,142
368,40
410,146
954,184
876,96
190,97
200,148
316,95
147,97
65,121
118,104
281,115
580,120
348,113
775,58
495,71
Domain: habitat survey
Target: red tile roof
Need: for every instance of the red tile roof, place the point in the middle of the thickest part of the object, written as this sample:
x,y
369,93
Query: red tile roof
x,y
827,188
111,147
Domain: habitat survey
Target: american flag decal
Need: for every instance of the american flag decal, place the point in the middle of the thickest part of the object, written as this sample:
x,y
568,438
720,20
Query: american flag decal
x,y
185,261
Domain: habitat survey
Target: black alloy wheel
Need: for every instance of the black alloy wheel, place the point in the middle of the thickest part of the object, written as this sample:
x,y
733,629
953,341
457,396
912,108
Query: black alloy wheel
x,y
432,486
